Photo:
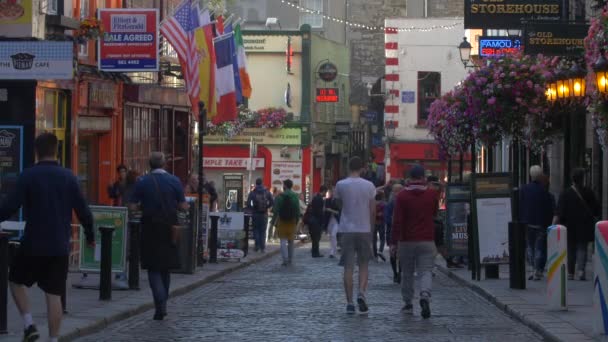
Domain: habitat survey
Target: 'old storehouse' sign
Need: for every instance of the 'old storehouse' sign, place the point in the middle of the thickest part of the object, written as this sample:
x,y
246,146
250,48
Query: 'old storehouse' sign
x,y
505,14
555,39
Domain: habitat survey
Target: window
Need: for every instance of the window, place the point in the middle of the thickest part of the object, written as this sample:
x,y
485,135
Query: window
x,y
83,49
312,19
429,89
50,6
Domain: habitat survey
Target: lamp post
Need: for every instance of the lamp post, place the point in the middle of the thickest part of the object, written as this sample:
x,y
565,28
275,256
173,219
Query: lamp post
x,y
601,74
465,53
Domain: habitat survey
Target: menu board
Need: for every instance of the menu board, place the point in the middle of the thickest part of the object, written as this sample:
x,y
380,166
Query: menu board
x,y
116,217
11,161
284,170
493,217
458,198
230,235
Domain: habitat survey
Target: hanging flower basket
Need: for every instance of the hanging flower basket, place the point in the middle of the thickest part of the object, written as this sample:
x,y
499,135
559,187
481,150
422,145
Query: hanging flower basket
x,y
90,29
271,118
596,43
503,98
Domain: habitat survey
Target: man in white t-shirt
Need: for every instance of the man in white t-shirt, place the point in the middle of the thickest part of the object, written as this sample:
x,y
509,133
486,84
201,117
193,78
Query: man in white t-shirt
x,y
357,199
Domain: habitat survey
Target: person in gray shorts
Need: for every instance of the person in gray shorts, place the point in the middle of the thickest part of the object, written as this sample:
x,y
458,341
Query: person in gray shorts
x,y
356,197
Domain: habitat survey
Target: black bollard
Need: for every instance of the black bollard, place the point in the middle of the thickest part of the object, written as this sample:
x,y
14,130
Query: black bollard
x,y
134,255
105,276
492,271
517,256
3,282
213,239
246,240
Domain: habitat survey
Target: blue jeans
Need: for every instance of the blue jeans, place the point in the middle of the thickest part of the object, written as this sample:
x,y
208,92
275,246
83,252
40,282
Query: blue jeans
x,y
259,231
159,283
537,248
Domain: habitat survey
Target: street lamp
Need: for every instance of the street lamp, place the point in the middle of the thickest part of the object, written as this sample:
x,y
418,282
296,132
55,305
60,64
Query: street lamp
x,y
465,52
390,127
551,91
601,73
563,85
577,81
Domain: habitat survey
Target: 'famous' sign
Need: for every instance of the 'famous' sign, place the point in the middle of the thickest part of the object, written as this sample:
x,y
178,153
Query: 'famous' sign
x,y
130,40
505,14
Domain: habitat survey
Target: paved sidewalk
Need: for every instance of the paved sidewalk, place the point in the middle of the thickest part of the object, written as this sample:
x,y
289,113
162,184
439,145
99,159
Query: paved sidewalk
x,y
529,305
86,314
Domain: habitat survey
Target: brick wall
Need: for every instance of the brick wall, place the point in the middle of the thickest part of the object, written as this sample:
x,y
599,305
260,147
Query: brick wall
x,y
367,47
445,8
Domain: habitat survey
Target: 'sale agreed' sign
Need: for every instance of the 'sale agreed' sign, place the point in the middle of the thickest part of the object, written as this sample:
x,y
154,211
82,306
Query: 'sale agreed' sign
x,y
505,14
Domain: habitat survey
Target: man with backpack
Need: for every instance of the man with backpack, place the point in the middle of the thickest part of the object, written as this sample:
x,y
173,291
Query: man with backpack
x,y
259,202
286,213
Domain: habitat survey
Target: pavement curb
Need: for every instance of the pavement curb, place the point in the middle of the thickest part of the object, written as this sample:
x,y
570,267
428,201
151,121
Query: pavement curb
x,y
538,328
175,292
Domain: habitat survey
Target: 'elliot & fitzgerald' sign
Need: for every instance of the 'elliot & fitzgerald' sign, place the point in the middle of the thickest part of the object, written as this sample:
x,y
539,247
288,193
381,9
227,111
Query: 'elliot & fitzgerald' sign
x,y
505,14
555,39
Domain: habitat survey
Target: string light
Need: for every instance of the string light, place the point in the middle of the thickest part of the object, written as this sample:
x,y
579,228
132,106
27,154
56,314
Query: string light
x,y
373,28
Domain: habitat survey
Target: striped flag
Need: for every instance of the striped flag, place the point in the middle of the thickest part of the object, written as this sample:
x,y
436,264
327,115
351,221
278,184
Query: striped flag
x,y
204,44
224,79
242,61
179,32
235,65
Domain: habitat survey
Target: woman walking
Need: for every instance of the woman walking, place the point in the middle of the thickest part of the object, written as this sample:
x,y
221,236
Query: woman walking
x,y
286,213
388,215
332,211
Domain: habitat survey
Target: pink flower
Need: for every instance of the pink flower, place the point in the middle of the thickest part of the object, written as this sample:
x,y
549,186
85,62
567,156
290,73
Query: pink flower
x,y
492,101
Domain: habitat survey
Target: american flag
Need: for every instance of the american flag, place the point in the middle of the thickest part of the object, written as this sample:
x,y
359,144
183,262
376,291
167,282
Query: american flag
x,y
178,30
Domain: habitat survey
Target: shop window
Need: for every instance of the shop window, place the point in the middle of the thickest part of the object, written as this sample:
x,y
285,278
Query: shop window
x,y
52,117
313,19
140,136
429,89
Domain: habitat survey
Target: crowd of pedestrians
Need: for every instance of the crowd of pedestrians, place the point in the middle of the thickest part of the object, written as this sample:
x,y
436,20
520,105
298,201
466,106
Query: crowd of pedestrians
x,y
359,218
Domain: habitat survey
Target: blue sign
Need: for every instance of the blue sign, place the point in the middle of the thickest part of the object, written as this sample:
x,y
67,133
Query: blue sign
x,y
370,116
499,46
408,96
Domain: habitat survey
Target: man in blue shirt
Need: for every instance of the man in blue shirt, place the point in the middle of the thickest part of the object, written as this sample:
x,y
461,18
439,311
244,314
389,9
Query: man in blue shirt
x,y
160,195
48,193
259,202
536,208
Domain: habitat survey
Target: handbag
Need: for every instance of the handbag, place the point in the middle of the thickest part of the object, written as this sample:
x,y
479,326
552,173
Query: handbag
x,y
578,194
166,217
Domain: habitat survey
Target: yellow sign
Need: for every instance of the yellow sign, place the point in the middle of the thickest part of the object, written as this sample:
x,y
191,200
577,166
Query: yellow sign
x,y
16,18
271,43
261,136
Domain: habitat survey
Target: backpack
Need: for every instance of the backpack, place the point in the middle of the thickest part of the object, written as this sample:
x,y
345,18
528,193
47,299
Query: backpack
x,y
307,218
288,210
260,201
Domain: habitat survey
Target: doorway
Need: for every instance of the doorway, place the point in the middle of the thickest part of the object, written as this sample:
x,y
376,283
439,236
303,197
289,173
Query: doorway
x,y
88,170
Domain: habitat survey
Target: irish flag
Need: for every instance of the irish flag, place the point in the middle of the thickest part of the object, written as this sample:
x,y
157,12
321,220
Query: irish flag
x,y
224,79
242,61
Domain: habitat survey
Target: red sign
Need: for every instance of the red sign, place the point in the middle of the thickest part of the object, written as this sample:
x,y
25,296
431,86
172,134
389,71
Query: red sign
x,y
130,40
232,163
327,95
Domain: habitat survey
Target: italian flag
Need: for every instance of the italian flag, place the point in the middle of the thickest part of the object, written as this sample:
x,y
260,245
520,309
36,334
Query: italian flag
x,y
242,62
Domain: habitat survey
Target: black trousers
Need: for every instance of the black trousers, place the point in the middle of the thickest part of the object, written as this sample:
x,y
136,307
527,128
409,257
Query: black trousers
x,y
315,236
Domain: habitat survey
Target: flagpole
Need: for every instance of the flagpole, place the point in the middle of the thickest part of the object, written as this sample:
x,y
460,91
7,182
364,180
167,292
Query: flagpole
x,y
202,125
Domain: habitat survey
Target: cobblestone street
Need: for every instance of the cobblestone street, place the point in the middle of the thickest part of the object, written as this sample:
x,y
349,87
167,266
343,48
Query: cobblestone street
x,y
268,302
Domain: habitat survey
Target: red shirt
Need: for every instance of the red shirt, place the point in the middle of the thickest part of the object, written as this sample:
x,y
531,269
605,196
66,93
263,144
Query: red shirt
x,y
415,208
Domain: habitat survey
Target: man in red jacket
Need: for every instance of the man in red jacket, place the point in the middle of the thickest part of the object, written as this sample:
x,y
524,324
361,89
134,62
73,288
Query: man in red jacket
x,y
414,230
